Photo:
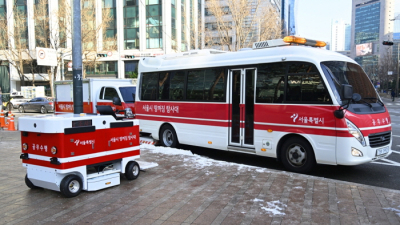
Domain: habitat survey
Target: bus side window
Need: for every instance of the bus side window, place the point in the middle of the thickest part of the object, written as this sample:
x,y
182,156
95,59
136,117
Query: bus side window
x,y
270,83
149,86
177,85
215,85
195,85
163,83
305,85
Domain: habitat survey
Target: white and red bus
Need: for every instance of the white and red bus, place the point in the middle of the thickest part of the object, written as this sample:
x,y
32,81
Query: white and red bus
x,y
299,104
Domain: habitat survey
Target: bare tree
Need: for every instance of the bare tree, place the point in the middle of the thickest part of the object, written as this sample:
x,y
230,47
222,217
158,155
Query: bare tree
x,y
92,32
386,64
236,24
269,24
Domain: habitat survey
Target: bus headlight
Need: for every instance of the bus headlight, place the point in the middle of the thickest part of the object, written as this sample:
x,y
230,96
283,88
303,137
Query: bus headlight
x,y
353,130
356,152
128,113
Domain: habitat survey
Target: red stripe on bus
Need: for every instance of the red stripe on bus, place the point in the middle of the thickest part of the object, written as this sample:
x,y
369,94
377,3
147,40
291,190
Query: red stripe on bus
x,y
282,114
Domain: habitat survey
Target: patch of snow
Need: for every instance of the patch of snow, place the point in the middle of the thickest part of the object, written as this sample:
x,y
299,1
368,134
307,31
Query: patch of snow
x,y
257,200
199,162
274,207
298,187
397,211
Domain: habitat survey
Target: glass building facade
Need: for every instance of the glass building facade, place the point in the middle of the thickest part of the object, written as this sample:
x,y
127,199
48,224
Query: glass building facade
x,y
291,18
366,30
110,9
154,30
131,24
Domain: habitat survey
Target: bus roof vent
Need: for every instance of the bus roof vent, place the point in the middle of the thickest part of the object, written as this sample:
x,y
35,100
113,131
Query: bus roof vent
x,y
269,44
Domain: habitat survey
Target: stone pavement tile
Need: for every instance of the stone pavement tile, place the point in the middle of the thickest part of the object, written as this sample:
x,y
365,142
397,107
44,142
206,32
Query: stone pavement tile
x,y
319,216
349,220
387,206
376,215
208,215
182,214
141,221
347,208
232,220
171,203
261,218
40,217
91,218
75,215
156,213
170,223
120,217
17,212
293,212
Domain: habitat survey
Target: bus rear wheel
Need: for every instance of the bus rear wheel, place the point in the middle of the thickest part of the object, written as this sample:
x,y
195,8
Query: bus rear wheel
x,y
168,136
297,155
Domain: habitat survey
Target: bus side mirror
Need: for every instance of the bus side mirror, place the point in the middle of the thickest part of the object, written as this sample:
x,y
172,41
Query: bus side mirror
x,y
117,101
347,92
339,113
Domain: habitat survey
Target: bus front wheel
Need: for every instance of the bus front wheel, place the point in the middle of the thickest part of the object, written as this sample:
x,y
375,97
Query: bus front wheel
x,y
168,136
297,155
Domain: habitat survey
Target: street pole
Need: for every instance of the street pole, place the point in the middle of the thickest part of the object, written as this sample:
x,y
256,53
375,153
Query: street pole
x,y
77,58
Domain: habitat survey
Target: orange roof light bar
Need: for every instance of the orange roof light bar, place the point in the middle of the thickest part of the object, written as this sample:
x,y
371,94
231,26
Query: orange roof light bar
x,y
303,41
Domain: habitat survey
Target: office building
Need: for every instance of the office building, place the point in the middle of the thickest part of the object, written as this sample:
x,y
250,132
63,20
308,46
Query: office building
x,y
292,17
136,29
347,37
338,36
371,26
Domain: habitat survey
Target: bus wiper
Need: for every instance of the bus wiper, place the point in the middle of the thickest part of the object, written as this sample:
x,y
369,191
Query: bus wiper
x,y
379,100
366,103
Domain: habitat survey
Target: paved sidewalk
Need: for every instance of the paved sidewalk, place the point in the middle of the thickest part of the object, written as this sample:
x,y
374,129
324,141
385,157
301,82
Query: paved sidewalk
x,y
187,189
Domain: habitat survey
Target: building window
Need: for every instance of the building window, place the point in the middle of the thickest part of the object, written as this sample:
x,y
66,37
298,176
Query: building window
x,y
34,68
183,26
20,24
131,69
63,21
154,24
110,18
131,24
173,25
41,18
102,69
3,25
89,37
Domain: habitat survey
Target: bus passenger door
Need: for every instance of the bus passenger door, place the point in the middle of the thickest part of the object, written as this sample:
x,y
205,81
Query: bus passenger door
x,y
241,130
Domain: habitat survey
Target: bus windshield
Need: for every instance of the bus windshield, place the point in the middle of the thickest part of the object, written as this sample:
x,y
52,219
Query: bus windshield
x,y
128,94
339,73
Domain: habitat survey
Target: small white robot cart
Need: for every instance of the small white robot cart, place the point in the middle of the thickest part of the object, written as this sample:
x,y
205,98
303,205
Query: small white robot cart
x,y
70,153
